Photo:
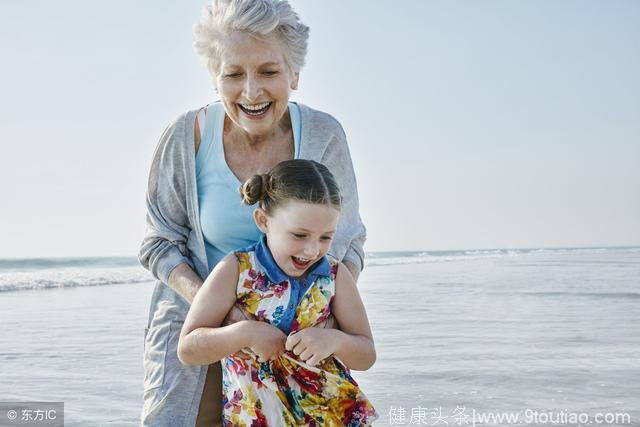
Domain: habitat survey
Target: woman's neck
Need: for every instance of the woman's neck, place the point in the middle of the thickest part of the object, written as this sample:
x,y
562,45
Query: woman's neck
x,y
236,135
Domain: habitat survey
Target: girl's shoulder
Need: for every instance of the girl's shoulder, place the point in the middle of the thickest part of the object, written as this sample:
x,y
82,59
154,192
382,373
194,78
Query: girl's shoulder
x,y
335,265
245,258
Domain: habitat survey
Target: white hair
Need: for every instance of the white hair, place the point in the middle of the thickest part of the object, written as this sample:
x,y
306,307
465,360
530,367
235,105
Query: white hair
x,y
257,17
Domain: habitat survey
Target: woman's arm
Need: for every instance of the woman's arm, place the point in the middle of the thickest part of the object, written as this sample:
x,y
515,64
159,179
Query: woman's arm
x,y
203,341
185,282
164,246
352,344
351,233
163,250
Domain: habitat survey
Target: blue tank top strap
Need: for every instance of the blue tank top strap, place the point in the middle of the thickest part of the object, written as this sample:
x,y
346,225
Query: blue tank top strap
x,y
212,128
296,126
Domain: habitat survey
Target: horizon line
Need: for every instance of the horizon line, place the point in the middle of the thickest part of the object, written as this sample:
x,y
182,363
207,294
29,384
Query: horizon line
x,y
366,252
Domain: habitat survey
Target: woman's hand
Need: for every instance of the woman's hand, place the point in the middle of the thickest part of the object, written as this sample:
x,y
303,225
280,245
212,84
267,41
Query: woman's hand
x,y
266,341
313,345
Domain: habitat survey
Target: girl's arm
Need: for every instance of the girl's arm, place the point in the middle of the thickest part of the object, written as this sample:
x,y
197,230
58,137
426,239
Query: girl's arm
x,y
355,271
203,341
352,344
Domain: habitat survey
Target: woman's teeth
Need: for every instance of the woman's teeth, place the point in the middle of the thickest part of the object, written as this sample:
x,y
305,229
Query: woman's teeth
x,y
255,109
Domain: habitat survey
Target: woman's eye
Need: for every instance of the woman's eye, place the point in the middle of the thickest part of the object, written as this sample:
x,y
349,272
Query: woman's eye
x,y
269,73
232,75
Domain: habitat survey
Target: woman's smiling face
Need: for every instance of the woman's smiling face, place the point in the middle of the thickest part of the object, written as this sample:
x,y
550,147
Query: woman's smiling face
x,y
254,82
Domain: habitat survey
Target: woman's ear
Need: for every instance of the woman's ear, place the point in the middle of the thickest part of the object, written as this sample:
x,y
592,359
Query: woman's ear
x,y
294,82
262,219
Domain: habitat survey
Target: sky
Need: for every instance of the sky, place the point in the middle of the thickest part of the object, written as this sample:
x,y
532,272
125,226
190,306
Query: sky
x,y
472,124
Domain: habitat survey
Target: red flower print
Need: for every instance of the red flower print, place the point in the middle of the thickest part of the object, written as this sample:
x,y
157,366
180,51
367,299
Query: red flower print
x,y
308,381
279,289
260,420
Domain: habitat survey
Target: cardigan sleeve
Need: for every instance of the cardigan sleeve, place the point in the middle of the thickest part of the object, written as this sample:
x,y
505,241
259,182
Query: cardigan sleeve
x,y
351,233
164,245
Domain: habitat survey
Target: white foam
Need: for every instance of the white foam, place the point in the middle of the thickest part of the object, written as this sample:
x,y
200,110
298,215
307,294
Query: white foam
x,y
68,273
71,277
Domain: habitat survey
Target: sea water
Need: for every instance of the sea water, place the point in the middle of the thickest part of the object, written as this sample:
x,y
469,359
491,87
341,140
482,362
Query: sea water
x,y
498,337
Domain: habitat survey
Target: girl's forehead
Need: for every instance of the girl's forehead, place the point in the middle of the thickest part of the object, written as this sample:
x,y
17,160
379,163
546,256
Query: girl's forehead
x,y
305,214
294,205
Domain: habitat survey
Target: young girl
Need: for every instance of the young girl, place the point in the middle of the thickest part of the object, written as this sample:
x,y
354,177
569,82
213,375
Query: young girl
x,y
287,284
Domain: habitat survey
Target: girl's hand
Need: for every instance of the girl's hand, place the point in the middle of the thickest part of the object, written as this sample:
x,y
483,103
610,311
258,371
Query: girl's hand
x,y
235,315
266,341
313,345
330,323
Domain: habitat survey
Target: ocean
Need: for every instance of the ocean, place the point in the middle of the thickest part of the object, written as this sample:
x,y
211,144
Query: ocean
x,y
479,337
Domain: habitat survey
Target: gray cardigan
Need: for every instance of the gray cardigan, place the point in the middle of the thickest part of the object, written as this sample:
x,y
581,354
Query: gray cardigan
x,y
173,234
172,391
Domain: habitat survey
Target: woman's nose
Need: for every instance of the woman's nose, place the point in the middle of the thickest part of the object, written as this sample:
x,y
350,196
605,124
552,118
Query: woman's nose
x,y
252,89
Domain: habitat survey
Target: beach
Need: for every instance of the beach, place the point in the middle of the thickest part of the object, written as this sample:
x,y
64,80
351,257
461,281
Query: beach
x,y
532,332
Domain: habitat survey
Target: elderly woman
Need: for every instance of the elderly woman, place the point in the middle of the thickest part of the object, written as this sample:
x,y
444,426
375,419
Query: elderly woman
x,y
254,50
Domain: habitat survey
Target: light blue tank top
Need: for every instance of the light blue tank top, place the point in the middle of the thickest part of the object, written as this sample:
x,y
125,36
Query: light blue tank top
x,y
227,223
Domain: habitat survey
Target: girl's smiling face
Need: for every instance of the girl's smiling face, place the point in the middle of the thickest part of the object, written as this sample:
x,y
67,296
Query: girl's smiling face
x,y
298,233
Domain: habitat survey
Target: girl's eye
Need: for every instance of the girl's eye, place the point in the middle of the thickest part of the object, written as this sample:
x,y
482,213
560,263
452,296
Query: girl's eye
x,y
298,235
326,238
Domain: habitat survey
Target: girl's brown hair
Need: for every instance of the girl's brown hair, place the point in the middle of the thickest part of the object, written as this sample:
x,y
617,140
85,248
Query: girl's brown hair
x,y
302,180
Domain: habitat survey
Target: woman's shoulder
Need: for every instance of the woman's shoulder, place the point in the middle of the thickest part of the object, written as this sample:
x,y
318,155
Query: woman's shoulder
x,y
180,128
322,135
183,120
178,138
319,121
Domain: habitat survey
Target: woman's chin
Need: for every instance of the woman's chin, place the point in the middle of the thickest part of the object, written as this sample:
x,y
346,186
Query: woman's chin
x,y
256,116
259,125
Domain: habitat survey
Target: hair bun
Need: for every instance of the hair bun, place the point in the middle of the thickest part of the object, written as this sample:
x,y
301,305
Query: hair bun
x,y
256,189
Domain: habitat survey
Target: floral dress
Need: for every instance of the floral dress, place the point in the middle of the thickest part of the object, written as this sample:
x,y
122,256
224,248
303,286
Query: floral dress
x,y
286,391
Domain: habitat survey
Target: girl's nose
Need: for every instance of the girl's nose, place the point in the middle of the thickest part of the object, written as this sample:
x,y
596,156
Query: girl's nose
x,y
311,250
